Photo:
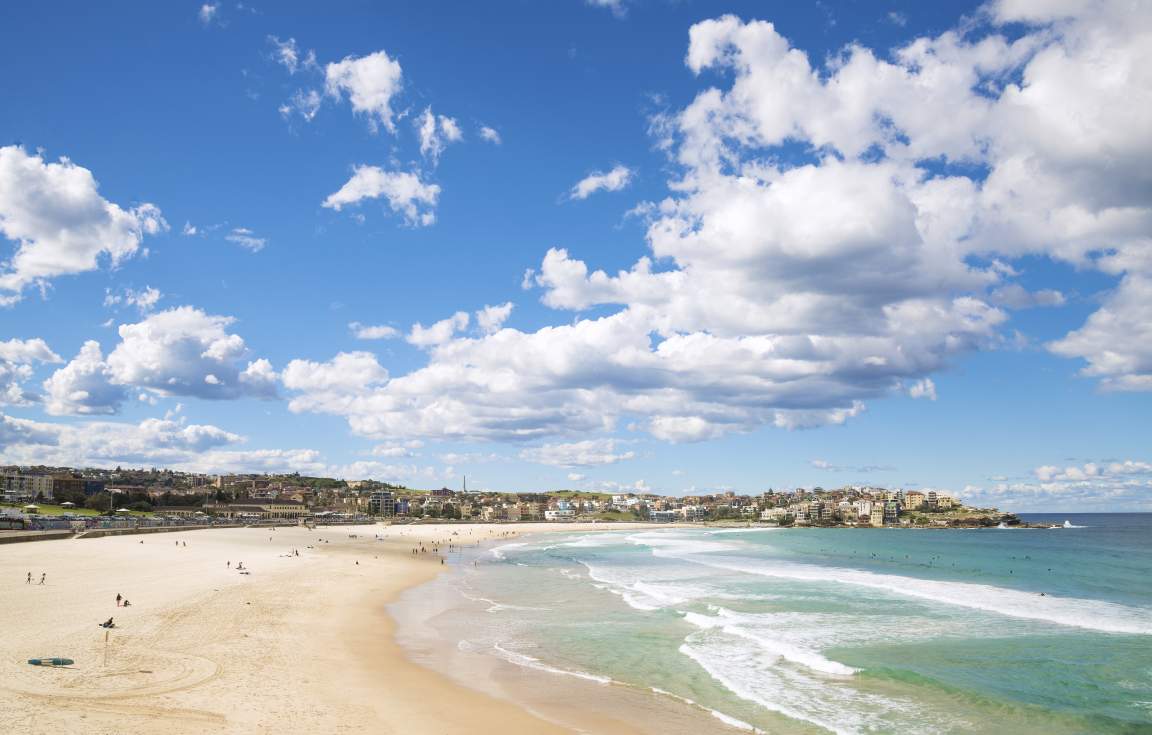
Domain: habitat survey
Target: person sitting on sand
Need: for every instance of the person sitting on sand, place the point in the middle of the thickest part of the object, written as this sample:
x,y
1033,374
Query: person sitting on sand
x,y
108,624
126,603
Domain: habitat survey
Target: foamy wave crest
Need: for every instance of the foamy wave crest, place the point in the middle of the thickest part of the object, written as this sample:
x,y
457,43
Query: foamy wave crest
x,y
774,646
498,552
530,662
1106,617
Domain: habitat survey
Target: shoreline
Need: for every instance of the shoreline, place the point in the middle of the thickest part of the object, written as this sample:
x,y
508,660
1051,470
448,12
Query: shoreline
x,y
303,644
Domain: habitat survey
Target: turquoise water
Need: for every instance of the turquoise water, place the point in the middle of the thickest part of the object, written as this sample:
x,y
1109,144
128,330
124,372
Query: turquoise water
x,y
837,630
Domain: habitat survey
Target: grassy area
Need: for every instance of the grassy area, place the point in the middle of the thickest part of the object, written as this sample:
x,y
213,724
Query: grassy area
x,y
612,515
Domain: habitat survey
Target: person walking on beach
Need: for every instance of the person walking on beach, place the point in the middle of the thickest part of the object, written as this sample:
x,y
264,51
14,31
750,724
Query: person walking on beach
x,y
29,581
118,598
43,576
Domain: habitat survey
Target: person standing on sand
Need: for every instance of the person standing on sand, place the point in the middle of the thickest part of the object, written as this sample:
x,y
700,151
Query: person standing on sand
x,y
29,578
43,576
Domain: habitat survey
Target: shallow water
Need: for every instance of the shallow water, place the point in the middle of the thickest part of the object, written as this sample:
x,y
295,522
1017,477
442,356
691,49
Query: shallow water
x,y
840,630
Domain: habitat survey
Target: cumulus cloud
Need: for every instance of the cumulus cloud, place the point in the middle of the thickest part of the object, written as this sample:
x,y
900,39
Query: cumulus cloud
x,y
440,332
84,386
178,352
1092,486
370,82
923,388
1116,341
577,454
436,133
491,318
17,360
405,193
614,180
60,224
788,290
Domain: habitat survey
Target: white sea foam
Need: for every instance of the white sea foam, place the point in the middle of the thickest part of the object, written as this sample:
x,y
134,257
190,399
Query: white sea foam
x,y
773,645
498,550
531,662
725,718
1089,614
494,606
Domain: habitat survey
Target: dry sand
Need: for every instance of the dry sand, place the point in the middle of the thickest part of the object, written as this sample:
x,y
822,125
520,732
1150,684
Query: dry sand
x,y
302,644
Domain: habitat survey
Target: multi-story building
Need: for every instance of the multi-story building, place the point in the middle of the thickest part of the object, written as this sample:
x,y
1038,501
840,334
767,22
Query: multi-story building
x,y
914,500
876,517
381,503
17,486
891,511
694,512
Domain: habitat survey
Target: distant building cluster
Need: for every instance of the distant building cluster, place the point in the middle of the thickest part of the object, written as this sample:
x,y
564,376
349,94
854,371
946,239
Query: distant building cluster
x,y
294,497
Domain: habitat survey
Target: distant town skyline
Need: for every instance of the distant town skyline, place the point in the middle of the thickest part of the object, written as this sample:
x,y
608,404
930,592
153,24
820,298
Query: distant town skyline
x,y
604,245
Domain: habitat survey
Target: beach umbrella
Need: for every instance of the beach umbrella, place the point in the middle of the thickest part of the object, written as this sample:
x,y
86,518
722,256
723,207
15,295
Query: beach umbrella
x,y
123,510
30,506
67,505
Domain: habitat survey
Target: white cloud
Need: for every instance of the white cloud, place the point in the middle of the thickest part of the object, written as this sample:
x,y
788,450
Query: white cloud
x,y
144,300
407,449
60,223
614,180
288,55
367,331
491,318
84,386
576,477
181,351
405,193
27,351
440,332
1117,339
346,374
490,135
789,292
189,230
246,238
304,102
370,82
436,133
619,8
1089,487
17,357
923,388
208,12
577,454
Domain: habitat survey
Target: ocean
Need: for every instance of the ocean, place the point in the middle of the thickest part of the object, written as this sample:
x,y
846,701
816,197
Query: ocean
x,y
808,630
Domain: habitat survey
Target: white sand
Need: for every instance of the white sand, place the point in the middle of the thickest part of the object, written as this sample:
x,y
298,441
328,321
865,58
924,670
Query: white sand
x,y
301,645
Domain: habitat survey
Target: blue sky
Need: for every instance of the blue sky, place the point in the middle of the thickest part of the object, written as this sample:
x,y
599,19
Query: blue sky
x,y
901,244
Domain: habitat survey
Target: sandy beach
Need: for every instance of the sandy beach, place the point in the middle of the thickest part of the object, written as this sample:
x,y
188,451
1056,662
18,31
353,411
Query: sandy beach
x,y
301,644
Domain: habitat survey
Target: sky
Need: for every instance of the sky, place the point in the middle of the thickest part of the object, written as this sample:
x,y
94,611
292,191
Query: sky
x,y
668,246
